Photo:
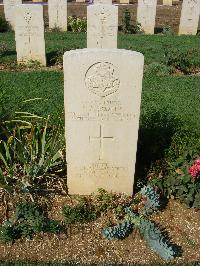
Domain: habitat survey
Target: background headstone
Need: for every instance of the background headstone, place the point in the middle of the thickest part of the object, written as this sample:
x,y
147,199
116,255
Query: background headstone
x,y
9,9
167,2
146,15
102,107
102,26
29,33
107,2
57,10
189,17
124,1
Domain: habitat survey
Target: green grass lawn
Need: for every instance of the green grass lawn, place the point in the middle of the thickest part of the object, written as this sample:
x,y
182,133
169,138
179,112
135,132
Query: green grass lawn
x,y
174,97
16,87
152,46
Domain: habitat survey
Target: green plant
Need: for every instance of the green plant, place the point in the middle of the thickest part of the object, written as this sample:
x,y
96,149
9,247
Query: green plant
x,y
105,201
180,181
4,26
126,20
55,29
30,153
57,57
77,24
155,237
28,219
168,31
152,200
180,60
157,69
119,231
137,28
102,202
3,48
83,212
126,24
34,64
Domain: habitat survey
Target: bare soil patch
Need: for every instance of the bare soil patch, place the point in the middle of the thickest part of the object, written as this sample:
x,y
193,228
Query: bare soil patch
x,y
85,243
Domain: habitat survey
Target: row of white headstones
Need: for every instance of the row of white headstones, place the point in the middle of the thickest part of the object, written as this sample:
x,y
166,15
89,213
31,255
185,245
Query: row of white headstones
x,y
165,2
102,95
102,23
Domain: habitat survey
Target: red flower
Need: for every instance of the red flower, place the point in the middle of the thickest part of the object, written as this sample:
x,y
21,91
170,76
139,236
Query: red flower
x,y
197,161
195,171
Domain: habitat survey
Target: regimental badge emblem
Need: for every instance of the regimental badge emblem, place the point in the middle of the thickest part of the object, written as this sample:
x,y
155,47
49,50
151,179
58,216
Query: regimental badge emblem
x,y
102,79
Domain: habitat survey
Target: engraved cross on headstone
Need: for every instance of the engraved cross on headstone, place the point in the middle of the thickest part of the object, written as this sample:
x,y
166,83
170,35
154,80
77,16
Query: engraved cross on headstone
x,y
101,139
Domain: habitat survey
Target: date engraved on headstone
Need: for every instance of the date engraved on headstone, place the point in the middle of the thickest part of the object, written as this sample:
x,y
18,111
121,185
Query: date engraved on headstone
x,y
102,170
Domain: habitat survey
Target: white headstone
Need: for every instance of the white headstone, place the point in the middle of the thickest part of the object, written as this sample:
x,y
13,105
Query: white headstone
x,y
102,108
146,15
105,2
80,1
167,2
124,1
57,10
29,33
102,26
189,17
9,8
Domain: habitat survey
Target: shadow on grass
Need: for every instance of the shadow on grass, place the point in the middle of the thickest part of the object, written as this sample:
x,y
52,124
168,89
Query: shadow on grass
x,y
54,57
9,53
158,30
155,135
7,57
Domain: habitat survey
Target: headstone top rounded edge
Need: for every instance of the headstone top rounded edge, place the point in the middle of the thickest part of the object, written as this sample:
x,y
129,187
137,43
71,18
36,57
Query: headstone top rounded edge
x,y
24,6
111,51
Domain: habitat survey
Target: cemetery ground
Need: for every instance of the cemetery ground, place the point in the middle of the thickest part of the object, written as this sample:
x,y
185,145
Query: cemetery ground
x,y
169,140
